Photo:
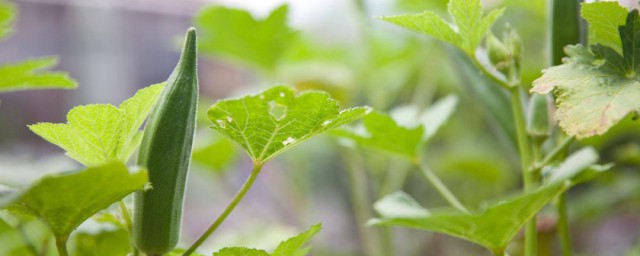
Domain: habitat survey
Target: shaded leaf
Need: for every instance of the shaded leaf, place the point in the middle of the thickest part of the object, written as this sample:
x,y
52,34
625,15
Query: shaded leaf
x,y
269,123
103,243
100,133
494,227
66,200
240,251
29,74
468,28
216,155
399,205
235,33
404,134
571,166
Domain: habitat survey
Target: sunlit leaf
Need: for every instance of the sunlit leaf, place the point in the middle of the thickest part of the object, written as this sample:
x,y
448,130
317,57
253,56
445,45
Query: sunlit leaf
x,y
467,30
596,87
277,119
604,19
100,133
7,15
32,74
292,247
65,200
237,34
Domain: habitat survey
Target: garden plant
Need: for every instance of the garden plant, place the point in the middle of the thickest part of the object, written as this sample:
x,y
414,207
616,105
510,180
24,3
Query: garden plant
x,y
548,115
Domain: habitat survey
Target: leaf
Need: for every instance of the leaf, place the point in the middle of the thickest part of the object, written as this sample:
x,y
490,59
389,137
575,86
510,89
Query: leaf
x,y
575,163
235,33
240,251
596,87
399,205
467,30
28,75
216,155
65,200
381,132
269,123
294,245
100,133
493,227
404,134
104,243
604,19
7,15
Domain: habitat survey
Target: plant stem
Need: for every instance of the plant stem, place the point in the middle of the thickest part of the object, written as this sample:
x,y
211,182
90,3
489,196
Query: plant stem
x,y
232,205
441,187
563,225
127,220
524,148
557,151
61,244
361,203
497,80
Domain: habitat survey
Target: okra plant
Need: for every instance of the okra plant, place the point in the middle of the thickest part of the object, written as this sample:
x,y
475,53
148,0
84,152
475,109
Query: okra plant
x,y
587,89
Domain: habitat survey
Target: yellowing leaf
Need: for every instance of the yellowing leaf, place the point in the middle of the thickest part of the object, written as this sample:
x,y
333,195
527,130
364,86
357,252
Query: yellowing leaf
x,y
6,17
100,133
277,119
597,87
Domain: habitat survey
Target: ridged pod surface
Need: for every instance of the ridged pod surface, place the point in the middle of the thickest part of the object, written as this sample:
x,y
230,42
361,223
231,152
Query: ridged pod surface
x,y
165,151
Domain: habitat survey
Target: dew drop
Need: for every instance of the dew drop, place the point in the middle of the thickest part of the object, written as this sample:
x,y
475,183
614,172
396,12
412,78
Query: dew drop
x,y
229,119
221,124
288,141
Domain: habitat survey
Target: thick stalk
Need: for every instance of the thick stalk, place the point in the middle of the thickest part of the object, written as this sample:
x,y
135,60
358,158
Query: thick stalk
x,y
563,225
361,204
441,187
61,244
232,205
524,148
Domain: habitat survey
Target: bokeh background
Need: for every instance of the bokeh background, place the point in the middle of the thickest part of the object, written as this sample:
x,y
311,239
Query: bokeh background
x,y
113,48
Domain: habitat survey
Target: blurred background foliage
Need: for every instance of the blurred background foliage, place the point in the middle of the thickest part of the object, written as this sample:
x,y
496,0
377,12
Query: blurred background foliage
x,y
115,47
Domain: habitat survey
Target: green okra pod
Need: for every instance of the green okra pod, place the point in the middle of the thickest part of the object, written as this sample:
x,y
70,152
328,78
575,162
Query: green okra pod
x,y
165,151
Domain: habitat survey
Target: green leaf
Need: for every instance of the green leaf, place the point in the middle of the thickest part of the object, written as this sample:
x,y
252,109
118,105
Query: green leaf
x,y
381,132
7,15
404,135
294,245
471,26
102,243
217,155
573,165
596,87
604,19
65,200
269,123
235,33
493,227
100,133
28,75
240,251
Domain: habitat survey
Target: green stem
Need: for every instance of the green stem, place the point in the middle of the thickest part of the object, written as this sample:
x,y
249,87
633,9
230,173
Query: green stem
x,y
441,187
232,205
497,80
557,151
563,225
524,148
361,203
61,244
127,220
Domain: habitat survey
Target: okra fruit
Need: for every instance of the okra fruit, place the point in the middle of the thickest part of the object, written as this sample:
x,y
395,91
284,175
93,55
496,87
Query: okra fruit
x,y
165,152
